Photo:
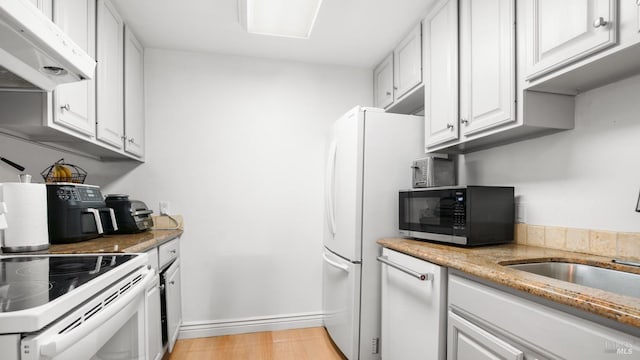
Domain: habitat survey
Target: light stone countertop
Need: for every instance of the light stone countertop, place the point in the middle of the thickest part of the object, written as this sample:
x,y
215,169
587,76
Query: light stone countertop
x,y
486,263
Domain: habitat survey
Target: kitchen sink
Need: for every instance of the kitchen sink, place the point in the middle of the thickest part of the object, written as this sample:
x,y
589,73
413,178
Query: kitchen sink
x,y
614,281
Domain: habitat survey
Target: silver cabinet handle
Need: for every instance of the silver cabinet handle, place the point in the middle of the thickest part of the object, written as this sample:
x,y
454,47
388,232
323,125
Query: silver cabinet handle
x,y
131,140
600,21
172,252
66,107
389,92
415,274
464,121
395,88
172,282
450,126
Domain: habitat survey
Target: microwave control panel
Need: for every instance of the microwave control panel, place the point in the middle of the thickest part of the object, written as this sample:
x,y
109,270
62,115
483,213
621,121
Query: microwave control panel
x,y
459,210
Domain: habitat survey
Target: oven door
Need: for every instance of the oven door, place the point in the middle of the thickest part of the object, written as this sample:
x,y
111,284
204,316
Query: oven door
x,y
109,326
428,212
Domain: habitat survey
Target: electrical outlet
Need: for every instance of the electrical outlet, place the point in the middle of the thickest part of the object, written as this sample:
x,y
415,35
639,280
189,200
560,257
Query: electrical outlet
x,y
164,207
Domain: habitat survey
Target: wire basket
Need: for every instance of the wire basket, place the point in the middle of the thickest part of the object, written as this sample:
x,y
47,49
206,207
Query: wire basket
x,y
63,172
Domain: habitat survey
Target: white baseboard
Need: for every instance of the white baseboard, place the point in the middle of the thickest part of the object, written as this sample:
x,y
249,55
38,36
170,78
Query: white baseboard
x,y
197,329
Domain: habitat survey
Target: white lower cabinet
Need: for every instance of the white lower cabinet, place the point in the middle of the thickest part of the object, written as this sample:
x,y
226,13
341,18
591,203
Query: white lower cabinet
x,y
413,308
174,302
154,325
470,342
488,323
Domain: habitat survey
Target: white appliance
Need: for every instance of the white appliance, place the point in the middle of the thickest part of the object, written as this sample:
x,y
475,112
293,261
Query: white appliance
x,y
369,160
414,308
26,217
35,54
73,306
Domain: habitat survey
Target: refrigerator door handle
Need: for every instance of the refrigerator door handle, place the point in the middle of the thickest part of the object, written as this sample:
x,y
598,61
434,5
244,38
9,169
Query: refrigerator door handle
x,y
335,264
415,274
331,187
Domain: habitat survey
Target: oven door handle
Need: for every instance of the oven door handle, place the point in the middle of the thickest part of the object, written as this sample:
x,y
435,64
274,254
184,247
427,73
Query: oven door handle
x,y
61,342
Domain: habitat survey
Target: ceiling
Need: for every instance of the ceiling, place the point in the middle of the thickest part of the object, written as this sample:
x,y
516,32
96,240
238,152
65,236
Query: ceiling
x,y
347,32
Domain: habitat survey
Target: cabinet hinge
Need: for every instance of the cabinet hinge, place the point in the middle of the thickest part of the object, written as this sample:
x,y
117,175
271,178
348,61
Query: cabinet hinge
x,y
375,345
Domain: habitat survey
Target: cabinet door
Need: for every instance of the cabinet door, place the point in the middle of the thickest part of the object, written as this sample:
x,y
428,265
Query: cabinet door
x,y
133,95
383,83
154,324
441,73
487,64
467,341
408,63
562,32
110,118
174,303
638,15
46,6
413,310
74,103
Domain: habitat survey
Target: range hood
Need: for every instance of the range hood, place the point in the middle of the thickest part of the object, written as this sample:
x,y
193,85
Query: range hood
x,y
35,54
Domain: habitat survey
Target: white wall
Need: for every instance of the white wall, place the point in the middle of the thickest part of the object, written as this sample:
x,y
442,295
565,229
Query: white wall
x,y
237,145
35,158
588,177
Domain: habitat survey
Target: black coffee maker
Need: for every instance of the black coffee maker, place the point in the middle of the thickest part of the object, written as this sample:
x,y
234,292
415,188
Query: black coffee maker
x,y
77,212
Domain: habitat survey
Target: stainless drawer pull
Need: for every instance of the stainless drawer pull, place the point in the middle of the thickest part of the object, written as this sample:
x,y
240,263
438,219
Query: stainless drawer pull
x,y
415,274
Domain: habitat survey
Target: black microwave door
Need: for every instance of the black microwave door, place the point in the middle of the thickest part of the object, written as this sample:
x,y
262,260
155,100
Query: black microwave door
x,y
428,211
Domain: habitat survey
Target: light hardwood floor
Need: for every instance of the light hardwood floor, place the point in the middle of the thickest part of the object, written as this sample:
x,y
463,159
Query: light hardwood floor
x,y
297,344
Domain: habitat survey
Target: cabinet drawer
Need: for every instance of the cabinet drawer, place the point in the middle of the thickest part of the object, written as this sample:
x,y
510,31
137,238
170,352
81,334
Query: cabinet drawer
x,y
551,332
153,259
168,252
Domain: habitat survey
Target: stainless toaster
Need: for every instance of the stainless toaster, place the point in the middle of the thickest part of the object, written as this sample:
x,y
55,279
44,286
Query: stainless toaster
x,y
433,171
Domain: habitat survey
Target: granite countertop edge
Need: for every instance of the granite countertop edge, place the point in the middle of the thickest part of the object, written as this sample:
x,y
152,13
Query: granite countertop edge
x,y
128,243
487,263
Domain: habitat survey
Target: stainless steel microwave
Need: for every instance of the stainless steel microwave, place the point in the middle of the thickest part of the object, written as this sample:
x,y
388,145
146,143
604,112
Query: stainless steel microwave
x,y
463,215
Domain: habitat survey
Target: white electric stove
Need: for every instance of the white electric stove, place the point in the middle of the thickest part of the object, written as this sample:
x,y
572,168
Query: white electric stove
x,y
73,306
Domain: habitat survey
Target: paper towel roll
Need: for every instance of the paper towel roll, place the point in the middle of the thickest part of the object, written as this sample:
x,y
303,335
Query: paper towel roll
x,y
26,216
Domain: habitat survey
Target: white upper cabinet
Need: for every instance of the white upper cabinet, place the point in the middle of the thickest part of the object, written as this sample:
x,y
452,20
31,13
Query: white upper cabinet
x,y
562,32
408,63
441,73
110,114
487,64
74,103
397,80
383,83
133,95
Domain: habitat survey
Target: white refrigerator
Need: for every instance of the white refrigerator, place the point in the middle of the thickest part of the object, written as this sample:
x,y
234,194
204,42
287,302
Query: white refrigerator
x,y
369,160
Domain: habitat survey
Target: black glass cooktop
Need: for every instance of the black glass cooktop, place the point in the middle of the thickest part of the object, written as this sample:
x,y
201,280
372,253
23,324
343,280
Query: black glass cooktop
x,y
30,281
